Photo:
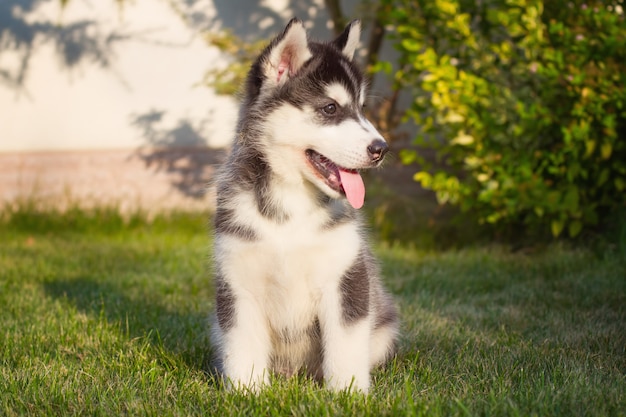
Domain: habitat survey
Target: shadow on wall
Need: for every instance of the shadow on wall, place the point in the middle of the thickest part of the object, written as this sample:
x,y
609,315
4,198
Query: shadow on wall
x,y
86,41
74,43
253,20
181,151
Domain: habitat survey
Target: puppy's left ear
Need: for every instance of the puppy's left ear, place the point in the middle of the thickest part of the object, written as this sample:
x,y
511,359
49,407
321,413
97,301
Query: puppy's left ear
x,y
349,39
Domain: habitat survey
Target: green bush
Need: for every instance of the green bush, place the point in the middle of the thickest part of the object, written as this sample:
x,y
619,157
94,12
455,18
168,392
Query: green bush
x,y
524,102
227,80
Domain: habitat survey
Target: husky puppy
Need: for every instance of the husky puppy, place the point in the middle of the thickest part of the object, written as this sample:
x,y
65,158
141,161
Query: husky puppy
x,y
297,289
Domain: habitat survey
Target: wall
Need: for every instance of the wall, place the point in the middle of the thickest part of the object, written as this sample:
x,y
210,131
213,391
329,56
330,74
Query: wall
x,y
97,75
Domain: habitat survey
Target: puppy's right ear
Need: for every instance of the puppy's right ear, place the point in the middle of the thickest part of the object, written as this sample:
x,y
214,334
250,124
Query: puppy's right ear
x,y
286,54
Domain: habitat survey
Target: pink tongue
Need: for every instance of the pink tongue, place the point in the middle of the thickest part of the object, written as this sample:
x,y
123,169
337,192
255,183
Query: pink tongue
x,y
353,186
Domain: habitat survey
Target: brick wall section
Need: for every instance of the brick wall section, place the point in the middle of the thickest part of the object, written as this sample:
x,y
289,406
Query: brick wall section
x,y
147,179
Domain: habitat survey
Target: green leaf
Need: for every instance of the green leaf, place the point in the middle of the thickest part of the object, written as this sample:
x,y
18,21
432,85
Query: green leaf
x,y
571,199
423,178
408,156
590,146
557,227
574,228
411,45
382,66
572,171
462,139
553,198
605,150
604,176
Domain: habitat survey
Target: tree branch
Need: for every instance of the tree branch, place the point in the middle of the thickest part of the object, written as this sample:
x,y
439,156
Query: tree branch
x,y
375,42
336,15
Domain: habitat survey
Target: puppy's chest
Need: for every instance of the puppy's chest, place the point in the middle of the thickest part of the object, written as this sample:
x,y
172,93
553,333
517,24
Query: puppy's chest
x,y
304,252
302,247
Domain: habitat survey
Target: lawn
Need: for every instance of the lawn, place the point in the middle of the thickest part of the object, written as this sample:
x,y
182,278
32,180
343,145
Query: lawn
x,y
104,316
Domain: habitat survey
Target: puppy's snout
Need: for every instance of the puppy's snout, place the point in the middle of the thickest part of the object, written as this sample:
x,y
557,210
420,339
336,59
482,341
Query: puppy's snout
x,y
377,150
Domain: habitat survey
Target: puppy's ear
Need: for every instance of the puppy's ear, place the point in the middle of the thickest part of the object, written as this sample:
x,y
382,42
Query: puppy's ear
x,y
349,39
287,53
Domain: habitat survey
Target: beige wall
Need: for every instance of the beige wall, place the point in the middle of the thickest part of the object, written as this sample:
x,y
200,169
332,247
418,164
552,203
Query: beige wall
x,y
93,71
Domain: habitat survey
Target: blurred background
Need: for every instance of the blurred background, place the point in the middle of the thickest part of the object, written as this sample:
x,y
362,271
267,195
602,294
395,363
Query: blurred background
x,y
508,113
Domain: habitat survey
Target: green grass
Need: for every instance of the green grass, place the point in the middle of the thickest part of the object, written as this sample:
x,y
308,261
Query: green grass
x,y
106,316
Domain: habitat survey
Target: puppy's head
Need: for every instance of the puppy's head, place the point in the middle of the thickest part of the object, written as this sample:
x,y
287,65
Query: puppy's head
x,y
306,98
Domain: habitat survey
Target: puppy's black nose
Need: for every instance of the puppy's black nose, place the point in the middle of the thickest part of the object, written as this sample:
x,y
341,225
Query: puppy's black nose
x,y
377,150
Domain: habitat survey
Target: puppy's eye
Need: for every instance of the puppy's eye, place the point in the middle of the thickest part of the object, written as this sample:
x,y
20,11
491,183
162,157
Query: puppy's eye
x,y
329,109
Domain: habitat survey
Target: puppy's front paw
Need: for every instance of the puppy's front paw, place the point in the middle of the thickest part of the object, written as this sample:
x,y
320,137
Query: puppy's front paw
x,y
251,385
351,384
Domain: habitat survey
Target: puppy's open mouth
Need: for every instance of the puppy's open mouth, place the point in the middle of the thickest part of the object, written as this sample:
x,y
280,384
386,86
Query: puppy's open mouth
x,y
342,180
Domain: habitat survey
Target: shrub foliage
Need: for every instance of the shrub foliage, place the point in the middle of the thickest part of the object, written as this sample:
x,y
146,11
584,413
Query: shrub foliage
x,y
524,102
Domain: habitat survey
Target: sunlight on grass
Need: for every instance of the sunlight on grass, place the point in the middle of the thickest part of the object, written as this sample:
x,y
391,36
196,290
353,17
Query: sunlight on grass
x,y
104,315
